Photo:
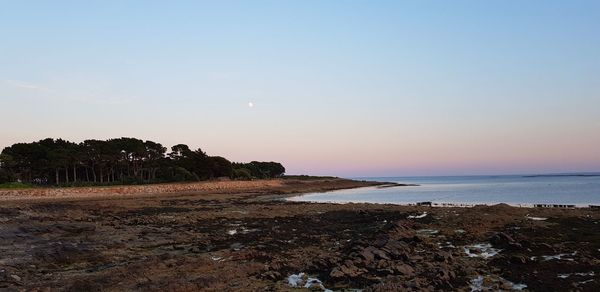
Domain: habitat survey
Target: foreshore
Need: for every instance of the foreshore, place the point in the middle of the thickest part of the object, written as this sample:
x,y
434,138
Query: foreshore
x,y
239,236
267,186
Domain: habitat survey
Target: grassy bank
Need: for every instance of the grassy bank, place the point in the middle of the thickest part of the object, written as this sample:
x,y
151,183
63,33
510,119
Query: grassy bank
x,y
16,185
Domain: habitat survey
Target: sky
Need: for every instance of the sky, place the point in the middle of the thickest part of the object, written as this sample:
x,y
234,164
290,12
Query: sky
x,y
345,88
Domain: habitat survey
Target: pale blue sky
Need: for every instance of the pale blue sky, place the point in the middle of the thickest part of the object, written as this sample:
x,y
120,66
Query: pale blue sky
x,y
350,88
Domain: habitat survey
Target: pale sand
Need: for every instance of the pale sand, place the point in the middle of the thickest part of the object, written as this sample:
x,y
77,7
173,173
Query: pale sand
x,y
111,191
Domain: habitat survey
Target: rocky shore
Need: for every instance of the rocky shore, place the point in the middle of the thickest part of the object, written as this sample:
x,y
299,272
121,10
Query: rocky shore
x,y
247,239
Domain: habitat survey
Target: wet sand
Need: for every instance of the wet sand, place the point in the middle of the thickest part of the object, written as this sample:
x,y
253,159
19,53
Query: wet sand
x,y
246,238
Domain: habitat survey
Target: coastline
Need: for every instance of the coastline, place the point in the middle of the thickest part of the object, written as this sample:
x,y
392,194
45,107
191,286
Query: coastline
x,y
449,205
245,239
282,186
299,198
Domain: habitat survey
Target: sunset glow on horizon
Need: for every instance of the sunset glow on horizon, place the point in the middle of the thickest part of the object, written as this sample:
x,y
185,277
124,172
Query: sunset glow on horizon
x,y
394,89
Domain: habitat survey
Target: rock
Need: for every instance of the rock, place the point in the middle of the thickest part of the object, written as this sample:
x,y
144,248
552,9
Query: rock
x,y
518,259
382,264
76,228
16,278
384,287
443,256
504,241
380,254
588,261
514,246
367,255
441,274
545,248
236,246
371,253
316,264
501,239
336,273
525,243
506,286
396,249
402,232
385,271
381,240
415,258
446,274
413,284
58,253
404,269
348,269
271,275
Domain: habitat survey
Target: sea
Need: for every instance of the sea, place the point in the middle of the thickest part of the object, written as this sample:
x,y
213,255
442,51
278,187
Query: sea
x,y
580,190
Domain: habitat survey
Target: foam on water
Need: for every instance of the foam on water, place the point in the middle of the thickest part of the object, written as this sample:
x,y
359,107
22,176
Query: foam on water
x,y
536,218
417,216
481,283
588,274
303,280
562,256
481,250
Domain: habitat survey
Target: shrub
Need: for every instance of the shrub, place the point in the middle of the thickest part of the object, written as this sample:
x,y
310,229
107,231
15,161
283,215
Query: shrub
x,y
242,174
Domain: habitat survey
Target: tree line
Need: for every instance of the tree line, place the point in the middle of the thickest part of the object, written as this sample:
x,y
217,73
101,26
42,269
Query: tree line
x,y
120,161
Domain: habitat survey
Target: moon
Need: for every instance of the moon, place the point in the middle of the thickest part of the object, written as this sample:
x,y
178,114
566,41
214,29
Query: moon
x,y
250,104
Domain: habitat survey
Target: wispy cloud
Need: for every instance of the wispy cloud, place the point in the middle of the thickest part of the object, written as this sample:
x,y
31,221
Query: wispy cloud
x,y
69,94
24,85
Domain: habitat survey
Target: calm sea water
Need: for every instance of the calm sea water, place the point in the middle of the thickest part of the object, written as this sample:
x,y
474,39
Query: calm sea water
x,y
513,190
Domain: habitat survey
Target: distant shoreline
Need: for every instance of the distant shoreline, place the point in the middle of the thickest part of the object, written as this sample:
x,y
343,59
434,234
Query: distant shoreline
x,y
562,175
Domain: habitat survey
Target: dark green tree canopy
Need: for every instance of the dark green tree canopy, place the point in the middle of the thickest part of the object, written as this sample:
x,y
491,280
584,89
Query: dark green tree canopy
x,y
262,169
120,161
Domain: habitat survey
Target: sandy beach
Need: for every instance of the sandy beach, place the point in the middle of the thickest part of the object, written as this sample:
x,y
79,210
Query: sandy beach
x,y
241,236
